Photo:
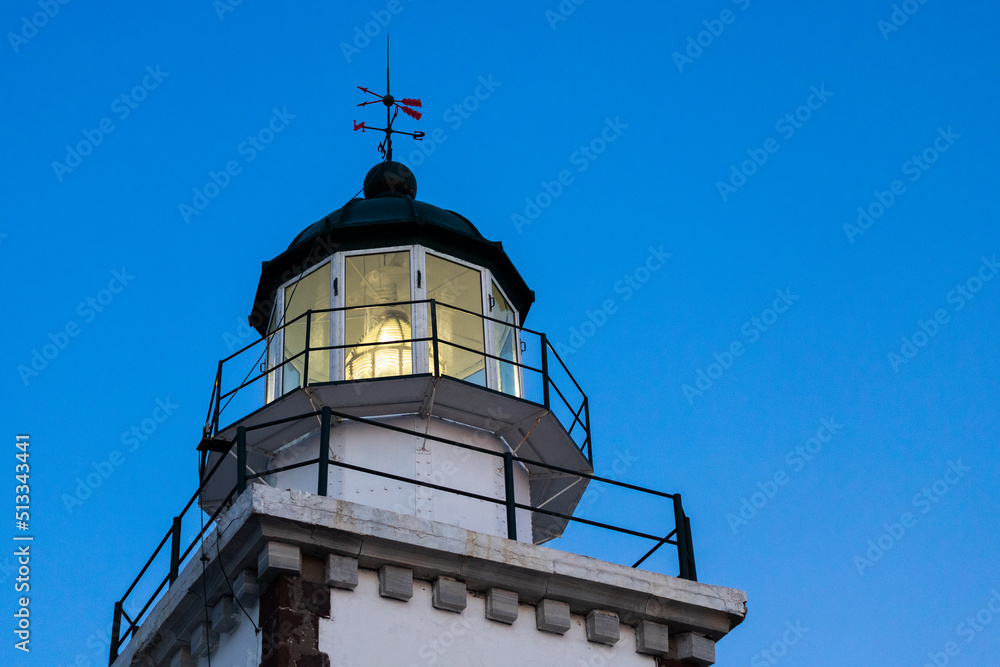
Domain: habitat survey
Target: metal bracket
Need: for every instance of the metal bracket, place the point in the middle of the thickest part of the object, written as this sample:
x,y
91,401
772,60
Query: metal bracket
x,y
314,401
427,404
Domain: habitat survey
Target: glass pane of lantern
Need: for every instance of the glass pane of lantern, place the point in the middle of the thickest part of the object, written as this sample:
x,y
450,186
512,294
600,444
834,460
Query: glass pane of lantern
x,y
380,333
505,343
456,285
310,293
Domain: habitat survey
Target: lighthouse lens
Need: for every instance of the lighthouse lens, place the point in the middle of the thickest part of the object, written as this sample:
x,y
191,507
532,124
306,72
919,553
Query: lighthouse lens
x,y
378,321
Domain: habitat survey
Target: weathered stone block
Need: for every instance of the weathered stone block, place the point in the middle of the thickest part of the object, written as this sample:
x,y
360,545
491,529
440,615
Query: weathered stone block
x,y
289,638
203,640
695,649
182,658
651,638
297,595
449,594
341,572
290,612
225,615
277,558
602,627
246,588
501,605
314,569
552,616
395,582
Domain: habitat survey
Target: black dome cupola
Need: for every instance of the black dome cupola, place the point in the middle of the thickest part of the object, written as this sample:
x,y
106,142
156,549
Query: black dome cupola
x,y
388,216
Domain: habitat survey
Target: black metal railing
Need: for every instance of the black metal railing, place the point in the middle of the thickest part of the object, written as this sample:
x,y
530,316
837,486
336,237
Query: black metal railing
x,y
680,536
537,381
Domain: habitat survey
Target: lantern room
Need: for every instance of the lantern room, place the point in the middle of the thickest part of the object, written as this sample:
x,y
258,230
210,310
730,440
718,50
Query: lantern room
x,y
373,309
394,276
395,310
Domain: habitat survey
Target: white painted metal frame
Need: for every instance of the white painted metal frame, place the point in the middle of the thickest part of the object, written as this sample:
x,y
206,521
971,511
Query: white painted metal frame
x,y
275,350
337,326
421,323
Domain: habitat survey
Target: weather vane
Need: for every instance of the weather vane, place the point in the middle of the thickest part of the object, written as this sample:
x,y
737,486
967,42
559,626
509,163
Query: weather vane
x,y
392,109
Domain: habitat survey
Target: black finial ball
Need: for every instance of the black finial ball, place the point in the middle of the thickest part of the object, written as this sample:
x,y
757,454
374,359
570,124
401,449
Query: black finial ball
x,y
386,177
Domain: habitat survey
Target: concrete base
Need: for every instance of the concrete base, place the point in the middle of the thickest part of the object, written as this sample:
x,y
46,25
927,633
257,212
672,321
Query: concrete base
x,y
268,527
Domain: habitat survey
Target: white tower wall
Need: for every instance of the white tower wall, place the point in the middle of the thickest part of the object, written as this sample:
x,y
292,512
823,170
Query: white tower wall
x,y
417,458
361,621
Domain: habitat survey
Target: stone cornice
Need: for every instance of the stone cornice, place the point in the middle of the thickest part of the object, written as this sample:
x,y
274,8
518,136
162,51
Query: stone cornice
x,y
320,526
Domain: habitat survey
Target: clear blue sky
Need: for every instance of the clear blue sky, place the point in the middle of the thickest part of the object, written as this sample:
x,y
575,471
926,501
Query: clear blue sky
x,y
837,111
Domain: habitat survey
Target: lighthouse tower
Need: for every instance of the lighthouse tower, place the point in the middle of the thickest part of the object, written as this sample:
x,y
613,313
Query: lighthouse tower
x,y
381,469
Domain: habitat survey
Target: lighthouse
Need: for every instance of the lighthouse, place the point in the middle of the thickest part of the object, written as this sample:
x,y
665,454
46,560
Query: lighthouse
x,y
382,471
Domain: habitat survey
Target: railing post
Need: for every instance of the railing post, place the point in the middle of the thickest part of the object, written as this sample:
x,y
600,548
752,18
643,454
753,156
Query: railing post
x,y
324,451
305,366
241,459
434,338
175,549
508,483
116,630
692,570
218,398
545,371
590,449
682,538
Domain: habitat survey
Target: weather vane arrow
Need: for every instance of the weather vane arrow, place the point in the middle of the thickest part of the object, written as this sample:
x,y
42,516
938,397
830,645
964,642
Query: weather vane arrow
x,y
392,109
